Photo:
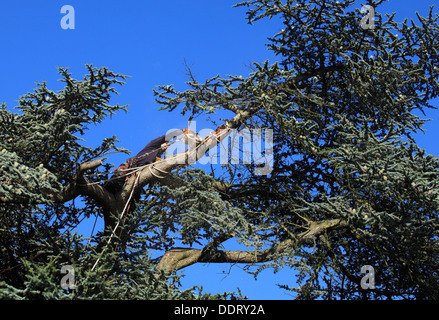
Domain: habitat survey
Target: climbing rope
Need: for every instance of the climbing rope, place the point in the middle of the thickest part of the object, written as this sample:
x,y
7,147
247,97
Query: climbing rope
x,y
118,222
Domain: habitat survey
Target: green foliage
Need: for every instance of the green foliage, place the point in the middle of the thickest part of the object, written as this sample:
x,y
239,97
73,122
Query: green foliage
x,y
123,275
343,104
199,213
40,151
42,140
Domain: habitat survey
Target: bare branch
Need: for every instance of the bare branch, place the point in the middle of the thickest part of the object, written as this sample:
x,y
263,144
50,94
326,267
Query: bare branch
x,y
179,258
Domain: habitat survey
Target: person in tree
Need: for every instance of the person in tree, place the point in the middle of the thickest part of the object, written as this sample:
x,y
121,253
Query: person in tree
x,y
149,154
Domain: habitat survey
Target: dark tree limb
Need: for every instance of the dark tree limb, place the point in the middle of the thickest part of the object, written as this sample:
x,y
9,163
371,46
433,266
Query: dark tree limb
x,y
179,258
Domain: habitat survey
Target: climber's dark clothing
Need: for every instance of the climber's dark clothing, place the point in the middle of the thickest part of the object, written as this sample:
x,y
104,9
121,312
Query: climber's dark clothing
x,y
148,155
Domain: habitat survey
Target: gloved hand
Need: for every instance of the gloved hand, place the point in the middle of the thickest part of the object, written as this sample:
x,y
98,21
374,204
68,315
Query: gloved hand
x,y
187,131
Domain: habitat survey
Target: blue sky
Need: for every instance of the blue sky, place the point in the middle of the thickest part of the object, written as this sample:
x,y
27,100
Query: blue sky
x,y
149,41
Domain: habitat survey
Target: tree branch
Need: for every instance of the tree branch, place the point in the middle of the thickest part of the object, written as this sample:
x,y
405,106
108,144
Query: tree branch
x,y
179,258
78,185
152,173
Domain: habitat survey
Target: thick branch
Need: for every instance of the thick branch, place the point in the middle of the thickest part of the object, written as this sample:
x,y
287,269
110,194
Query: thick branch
x,y
179,258
78,185
154,172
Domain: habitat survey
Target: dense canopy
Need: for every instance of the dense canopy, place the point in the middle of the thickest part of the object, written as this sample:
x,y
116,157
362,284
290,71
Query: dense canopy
x,y
349,186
